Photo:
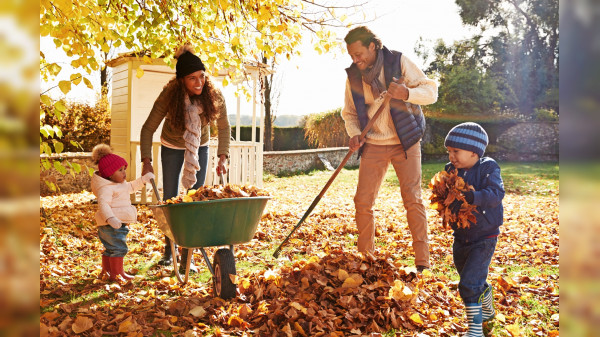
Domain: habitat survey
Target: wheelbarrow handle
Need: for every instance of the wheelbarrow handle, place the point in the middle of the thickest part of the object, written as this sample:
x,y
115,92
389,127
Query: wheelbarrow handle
x,y
155,190
363,134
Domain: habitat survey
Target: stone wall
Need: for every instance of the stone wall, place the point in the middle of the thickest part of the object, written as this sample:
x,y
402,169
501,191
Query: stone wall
x,y
281,162
68,183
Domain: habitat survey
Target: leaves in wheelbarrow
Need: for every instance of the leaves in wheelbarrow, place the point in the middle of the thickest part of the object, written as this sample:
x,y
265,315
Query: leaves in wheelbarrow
x,y
219,192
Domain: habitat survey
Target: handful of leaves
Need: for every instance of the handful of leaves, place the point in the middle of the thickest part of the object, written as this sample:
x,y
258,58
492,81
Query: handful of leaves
x,y
446,187
218,192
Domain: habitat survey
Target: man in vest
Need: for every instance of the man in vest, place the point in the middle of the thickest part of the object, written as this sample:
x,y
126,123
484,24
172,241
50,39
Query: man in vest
x,y
395,136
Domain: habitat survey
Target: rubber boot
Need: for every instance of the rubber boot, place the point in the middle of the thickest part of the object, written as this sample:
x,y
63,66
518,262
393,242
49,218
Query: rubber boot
x,y
167,258
116,267
184,256
487,304
106,265
474,320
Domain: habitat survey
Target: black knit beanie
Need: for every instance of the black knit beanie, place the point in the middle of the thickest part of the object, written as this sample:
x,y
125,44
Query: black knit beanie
x,y
188,63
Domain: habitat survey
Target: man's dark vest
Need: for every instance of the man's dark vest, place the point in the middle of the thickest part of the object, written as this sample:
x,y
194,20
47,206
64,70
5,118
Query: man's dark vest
x,y
408,118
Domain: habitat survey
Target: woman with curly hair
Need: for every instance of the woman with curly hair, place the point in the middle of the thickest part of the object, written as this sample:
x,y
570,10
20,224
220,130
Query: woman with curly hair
x,y
189,103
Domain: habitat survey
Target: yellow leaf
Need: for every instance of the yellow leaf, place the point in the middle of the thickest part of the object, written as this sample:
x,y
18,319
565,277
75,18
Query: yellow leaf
x,y
139,72
88,83
233,279
82,324
514,330
76,78
65,86
187,198
191,192
416,319
501,317
298,307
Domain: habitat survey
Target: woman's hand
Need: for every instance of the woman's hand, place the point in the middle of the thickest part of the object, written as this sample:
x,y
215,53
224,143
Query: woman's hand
x,y
221,169
147,166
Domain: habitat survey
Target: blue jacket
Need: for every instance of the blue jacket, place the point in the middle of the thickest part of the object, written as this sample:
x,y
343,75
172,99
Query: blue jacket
x,y
407,117
485,177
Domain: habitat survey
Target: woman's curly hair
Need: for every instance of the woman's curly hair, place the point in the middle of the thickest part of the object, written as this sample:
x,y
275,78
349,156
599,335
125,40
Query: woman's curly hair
x,y
211,101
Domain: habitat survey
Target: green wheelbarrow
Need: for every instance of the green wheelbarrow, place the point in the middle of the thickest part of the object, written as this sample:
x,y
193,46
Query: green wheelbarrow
x,y
212,223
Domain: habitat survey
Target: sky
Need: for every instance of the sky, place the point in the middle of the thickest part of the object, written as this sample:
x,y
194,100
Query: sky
x,y
312,83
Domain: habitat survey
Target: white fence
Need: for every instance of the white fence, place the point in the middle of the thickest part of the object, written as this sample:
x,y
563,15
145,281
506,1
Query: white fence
x,y
245,167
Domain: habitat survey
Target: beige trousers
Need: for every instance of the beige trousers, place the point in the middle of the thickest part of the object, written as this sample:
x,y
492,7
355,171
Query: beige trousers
x,y
374,163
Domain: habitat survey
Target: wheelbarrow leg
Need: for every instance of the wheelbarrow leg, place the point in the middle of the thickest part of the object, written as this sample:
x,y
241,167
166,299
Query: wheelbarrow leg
x,y
176,269
207,260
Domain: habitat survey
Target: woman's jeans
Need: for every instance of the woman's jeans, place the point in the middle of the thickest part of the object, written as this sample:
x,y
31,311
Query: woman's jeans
x,y
172,164
114,240
472,261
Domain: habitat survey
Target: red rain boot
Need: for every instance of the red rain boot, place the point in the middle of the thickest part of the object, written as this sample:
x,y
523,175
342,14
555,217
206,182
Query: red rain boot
x,y
106,265
116,268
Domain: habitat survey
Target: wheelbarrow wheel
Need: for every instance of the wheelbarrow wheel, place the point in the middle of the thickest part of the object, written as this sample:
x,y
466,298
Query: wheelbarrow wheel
x,y
224,265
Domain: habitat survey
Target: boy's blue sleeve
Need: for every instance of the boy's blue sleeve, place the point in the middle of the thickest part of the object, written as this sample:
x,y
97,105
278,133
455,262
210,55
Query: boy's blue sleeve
x,y
492,192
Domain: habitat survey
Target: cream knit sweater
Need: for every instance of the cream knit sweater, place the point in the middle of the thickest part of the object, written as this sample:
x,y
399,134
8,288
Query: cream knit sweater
x,y
421,90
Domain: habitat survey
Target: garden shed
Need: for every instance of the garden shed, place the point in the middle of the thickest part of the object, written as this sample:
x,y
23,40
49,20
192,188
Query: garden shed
x,y
133,98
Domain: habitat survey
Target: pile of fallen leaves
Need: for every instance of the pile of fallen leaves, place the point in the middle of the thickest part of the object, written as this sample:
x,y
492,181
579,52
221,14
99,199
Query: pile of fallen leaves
x,y
446,187
219,192
340,294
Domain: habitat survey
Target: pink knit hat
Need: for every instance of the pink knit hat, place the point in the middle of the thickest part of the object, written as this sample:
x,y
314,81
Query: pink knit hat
x,y
109,164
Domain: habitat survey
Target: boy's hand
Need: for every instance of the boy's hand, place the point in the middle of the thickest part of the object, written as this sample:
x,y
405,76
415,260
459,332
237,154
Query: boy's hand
x,y
114,222
455,206
146,177
469,197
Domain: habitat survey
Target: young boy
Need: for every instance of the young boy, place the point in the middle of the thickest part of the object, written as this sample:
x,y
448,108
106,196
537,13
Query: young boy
x,y
473,247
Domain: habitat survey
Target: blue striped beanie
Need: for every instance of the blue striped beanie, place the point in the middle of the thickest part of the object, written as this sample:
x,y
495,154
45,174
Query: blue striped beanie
x,y
468,136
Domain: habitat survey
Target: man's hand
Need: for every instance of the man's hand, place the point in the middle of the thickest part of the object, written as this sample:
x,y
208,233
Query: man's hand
x,y
397,89
114,222
146,166
221,169
355,144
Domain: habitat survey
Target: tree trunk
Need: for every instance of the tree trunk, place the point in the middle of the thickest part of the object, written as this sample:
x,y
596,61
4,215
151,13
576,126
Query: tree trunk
x,y
268,118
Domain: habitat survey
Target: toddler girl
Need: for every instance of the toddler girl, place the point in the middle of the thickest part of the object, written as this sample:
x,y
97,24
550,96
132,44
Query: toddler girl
x,y
115,211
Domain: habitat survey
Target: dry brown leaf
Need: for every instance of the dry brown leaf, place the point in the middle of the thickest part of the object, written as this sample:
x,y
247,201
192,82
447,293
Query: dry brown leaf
x,y
81,324
198,311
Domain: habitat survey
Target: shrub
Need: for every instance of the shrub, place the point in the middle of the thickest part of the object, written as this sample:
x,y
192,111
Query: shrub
x,y
545,115
81,124
326,129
